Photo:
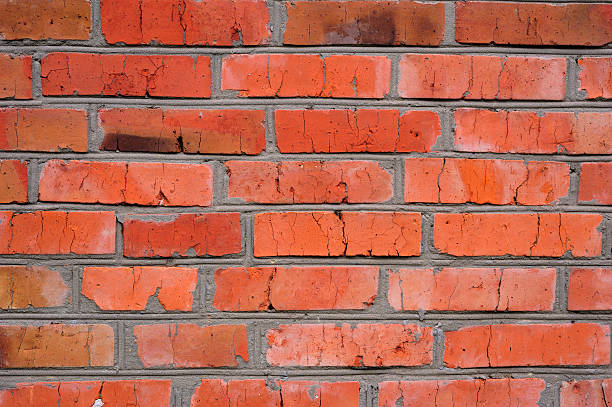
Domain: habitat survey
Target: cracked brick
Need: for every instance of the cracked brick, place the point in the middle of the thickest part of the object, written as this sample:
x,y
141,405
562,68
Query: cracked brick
x,y
35,346
354,131
130,288
527,345
586,393
481,77
596,76
542,234
308,181
67,74
594,183
187,131
187,22
364,23
295,288
139,183
22,287
208,234
529,132
189,345
16,78
533,23
590,289
346,345
13,181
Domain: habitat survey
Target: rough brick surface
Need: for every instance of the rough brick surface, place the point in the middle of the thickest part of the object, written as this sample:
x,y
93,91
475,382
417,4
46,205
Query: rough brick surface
x,y
364,22
528,345
533,23
44,19
13,181
596,77
583,393
508,289
479,392
189,345
594,183
590,289
343,345
295,288
22,287
16,79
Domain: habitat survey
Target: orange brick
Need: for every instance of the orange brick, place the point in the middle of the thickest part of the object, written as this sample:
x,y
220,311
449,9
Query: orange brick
x,y
13,181
595,183
596,77
590,289
586,393
22,287
16,78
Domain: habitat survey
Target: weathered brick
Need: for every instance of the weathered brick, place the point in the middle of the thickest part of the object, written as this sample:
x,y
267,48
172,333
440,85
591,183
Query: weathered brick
x,y
529,132
343,234
56,345
130,288
364,345
478,392
281,75
45,19
586,393
260,393
355,131
528,345
495,234
209,234
49,232
64,129
16,78
596,77
65,74
189,345
364,22
295,288
472,289
155,184
500,182
590,289
189,22
481,77
594,183
309,181
13,181
22,287
187,131
133,393
533,23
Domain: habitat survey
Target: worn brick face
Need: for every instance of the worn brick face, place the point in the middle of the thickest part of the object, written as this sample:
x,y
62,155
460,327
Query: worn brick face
x,y
16,79
594,183
22,287
590,289
596,77
582,393
13,181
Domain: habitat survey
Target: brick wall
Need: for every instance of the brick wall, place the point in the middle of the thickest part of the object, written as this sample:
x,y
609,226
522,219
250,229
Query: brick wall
x,y
313,203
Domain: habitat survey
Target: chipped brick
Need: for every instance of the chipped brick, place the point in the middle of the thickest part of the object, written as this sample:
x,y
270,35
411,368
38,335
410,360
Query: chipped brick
x,y
586,393
596,76
13,181
594,183
22,287
590,289
16,78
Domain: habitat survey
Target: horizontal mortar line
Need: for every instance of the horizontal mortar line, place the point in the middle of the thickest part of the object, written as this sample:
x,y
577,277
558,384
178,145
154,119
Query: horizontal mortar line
x,y
340,102
500,50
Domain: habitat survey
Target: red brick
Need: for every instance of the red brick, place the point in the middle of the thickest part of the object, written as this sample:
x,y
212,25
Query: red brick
x,y
188,345
16,78
472,289
56,345
594,183
355,131
500,182
295,288
596,77
495,234
590,289
257,392
130,288
45,19
13,181
478,392
343,234
125,75
133,393
529,132
280,75
586,393
309,181
481,77
190,22
208,234
49,232
187,131
528,345
343,345
533,23
22,287
364,22
64,129
155,184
